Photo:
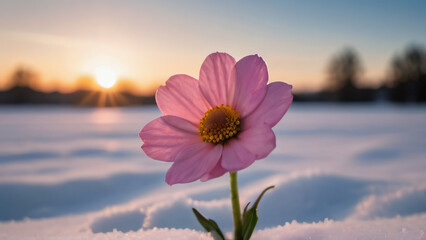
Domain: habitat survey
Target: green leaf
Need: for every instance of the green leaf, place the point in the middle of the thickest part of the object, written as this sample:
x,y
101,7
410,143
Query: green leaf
x,y
245,210
209,225
250,216
250,221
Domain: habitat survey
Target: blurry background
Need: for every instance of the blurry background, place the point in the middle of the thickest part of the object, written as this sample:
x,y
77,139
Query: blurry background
x,y
67,170
332,50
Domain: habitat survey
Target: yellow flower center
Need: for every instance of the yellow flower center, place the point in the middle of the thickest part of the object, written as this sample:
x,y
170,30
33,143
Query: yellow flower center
x,y
219,124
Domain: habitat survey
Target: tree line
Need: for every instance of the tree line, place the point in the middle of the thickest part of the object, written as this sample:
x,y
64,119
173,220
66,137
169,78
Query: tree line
x,y
406,79
405,82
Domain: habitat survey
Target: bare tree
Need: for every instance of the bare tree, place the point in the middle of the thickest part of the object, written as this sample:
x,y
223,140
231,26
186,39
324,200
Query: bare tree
x,y
344,70
23,77
408,75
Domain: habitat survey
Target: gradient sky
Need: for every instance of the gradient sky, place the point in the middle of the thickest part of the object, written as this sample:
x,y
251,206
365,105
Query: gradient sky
x,y
150,41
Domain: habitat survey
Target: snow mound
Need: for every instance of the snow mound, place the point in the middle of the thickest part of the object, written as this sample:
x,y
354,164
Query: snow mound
x,y
398,228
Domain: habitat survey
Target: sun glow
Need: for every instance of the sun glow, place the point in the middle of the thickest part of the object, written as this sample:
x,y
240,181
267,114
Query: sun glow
x,y
106,77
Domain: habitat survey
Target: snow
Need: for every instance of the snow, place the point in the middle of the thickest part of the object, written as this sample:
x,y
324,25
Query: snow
x,y
340,171
396,228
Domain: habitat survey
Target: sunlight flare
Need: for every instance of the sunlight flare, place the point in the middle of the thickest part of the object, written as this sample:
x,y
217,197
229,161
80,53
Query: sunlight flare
x,y
106,77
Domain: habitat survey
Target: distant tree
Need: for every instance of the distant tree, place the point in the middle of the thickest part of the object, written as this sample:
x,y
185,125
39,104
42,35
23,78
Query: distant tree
x,y
344,71
24,77
408,75
22,83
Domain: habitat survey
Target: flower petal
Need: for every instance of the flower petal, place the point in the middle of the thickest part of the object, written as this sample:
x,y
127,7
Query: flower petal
x,y
250,77
235,157
193,162
166,136
181,96
260,141
217,171
250,145
273,107
215,79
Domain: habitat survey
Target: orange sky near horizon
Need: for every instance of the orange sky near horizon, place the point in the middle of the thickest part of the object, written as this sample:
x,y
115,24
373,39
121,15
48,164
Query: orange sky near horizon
x,y
141,73
145,43
79,58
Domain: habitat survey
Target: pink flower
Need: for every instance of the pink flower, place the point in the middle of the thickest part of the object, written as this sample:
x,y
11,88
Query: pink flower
x,y
220,123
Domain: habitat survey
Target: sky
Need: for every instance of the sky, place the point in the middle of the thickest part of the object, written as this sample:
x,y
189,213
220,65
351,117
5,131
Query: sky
x,y
147,42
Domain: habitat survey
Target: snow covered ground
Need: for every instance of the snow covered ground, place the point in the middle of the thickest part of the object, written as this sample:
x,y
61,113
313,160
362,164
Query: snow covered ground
x,y
341,172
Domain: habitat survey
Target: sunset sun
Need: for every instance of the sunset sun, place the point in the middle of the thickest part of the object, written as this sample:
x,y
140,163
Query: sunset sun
x,y
106,77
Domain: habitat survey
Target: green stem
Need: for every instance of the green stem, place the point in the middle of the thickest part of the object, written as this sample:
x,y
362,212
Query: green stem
x,y
236,210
